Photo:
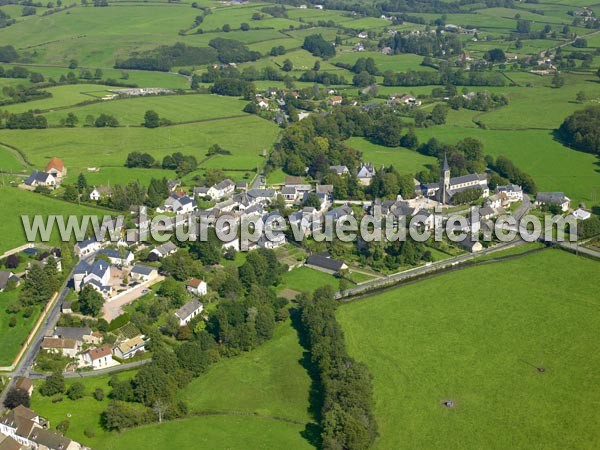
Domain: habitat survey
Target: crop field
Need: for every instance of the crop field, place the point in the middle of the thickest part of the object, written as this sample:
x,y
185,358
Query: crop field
x,y
448,338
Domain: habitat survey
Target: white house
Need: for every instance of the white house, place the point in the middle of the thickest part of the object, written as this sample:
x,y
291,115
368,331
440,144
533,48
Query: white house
x,y
188,311
117,257
87,247
97,275
66,347
365,173
553,198
222,189
178,204
166,249
513,192
363,35
98,357
197,287
41,179
143,273
130,347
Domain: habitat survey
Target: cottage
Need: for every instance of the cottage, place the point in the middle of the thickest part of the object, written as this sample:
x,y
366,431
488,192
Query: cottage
x,y
25,384
188,311
6,276
221,189
100,192
80,334
581,214
365,173
56,168
87,247
65,347
339,170
553,198
325,263
471,245
129,348
124,258
98,357
166,249
142,273
197,287
363,35
335,100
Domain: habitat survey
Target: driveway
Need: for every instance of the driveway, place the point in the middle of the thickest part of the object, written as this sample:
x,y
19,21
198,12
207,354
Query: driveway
x,y
114,308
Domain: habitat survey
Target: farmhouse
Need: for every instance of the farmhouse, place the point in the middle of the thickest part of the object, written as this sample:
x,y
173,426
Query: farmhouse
x,y
197,287
339,170
335,100
42,179
553,198
56,168
188,311
325,263
66,347
100,192
98,357
513,192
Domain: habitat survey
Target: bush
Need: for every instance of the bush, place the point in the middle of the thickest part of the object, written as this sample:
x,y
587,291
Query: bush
x,y
89,433
99,394
76,391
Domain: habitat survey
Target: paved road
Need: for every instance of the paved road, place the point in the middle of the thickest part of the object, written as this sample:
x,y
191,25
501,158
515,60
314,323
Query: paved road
x,y
575,247
114,308
93,373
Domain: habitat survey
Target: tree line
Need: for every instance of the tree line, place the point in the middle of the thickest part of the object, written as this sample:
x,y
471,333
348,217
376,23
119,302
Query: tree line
x,y
346,404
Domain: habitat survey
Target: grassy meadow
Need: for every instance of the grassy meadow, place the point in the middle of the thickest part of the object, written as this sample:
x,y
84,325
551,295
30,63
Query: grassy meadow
x,y
450,338
12,338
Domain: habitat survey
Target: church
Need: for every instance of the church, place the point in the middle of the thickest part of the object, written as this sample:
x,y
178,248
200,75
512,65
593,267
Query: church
x,y
447,187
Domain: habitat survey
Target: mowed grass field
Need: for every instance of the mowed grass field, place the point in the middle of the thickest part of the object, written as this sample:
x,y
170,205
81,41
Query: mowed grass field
x,y
19,202
403,159
80,148
477,337
269,381
176,108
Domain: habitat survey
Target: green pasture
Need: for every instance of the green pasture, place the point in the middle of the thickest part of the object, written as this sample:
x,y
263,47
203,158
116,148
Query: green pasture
x,y
474,338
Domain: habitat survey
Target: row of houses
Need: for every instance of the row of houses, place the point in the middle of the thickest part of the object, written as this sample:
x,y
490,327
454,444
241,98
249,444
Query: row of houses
x,y
23,429
84,345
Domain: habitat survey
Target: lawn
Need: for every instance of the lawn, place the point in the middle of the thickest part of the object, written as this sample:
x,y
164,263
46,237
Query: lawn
x,y
403,159
306,279
83,413
447,338
211,433
398,63
62,96
269,381
20,202
11,339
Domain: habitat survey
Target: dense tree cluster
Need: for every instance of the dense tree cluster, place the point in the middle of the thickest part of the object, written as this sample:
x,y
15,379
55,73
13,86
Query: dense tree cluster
x,y
165,57
180,163
137,159
480,101
8,53
232,51
426,44
581,130
90,301
318,46
234,88
346,417
5,21
26,121
41,282
507,169
444,77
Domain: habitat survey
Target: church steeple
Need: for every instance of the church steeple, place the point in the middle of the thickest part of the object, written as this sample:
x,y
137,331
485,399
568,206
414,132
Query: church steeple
x,y
444,181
